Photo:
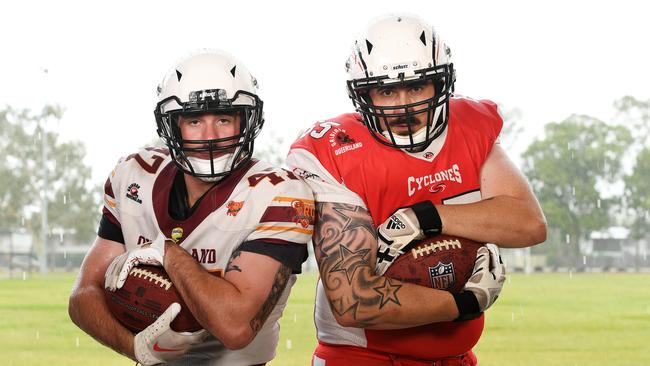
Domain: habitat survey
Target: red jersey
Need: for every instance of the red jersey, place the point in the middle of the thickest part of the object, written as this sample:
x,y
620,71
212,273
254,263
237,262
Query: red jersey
x,y
342,162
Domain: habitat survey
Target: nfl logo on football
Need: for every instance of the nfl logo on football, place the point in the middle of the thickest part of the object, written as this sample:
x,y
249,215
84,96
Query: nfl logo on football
x,y
442,276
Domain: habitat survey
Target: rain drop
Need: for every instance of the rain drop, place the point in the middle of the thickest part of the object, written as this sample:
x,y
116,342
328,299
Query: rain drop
x,y
584,260
513,317
65,200
573,190
289,345
570,274
598,203
295,318
38,335
568,238
77,341
24,275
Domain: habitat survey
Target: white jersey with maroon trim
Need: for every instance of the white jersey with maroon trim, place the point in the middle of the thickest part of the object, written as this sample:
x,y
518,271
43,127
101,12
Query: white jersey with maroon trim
x,y
343,163
256,202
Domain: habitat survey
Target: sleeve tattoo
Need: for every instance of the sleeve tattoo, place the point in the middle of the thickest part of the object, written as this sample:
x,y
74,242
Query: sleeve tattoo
x,y
233,267
279,283
344,247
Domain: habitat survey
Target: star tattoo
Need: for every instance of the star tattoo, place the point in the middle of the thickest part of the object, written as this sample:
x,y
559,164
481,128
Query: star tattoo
x,y
353,219
350,261
388,293
337,305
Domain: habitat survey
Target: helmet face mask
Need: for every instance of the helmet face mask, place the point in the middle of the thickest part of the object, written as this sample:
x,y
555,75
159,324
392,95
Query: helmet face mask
x,y
210,82
400,51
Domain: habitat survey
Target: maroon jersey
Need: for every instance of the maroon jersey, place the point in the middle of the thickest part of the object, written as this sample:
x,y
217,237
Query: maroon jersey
x,y
343,163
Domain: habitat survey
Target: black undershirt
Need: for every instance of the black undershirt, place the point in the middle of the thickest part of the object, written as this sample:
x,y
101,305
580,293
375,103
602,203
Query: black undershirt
x,y
290,254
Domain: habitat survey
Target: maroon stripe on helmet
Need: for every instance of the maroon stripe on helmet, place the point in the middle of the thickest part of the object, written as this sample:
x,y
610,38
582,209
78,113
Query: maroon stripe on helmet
x,y
108,188
212,201
110,217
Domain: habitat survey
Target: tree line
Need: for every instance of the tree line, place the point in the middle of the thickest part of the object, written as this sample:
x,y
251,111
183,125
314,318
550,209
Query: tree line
x,y
588,175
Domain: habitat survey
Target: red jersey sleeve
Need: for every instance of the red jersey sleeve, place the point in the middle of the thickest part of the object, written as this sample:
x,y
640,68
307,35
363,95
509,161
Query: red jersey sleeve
x,y
313,157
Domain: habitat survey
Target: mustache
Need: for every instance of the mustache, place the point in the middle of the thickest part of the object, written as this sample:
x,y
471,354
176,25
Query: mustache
x,y
410,121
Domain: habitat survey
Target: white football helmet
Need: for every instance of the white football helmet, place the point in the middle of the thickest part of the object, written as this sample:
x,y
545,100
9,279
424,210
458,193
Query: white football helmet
x,y
399,50
209,81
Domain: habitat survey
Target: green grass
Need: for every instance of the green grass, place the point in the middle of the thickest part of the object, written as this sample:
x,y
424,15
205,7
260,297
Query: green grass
x,y
541,319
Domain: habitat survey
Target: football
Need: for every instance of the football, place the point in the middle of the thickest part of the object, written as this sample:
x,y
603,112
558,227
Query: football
x,y
442,262
145,295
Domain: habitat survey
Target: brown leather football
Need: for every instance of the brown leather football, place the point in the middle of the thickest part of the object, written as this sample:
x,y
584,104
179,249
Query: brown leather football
x,y
442,262
145,295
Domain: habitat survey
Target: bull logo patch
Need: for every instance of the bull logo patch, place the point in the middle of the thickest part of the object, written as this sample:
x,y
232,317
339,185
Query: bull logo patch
x,y
234,207
304,213
442,276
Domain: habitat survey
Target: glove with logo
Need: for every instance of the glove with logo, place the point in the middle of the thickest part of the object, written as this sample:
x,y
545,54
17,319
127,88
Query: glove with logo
x,y
157,343
484,286
152,253
401,229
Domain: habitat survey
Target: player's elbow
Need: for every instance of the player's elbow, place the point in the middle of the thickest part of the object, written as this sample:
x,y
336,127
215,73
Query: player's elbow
x,y
346,321
360,322
73,307
537,230
235,336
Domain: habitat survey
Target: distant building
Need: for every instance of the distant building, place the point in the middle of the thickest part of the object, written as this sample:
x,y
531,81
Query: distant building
x,y
613,249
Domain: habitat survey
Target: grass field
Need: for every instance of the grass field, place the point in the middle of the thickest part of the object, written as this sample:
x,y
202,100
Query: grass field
x,y
541,319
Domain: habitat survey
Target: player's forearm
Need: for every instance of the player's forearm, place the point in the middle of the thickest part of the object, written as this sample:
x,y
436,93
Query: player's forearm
x,y
215,303
88,311
507,221
374,302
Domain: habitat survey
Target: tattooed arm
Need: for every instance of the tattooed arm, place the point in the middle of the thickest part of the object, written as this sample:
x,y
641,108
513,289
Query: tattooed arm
x,y
232,308
345,244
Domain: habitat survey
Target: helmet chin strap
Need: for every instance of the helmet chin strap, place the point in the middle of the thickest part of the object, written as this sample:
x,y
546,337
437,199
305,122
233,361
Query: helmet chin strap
x,y
202,166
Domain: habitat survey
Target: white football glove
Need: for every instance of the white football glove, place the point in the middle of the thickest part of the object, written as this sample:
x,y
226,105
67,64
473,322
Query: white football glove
x,y
157,343
152,253
488,277
394,235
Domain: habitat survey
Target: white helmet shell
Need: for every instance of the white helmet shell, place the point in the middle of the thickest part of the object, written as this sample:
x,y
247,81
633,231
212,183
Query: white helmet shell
x,y
209,81
203,70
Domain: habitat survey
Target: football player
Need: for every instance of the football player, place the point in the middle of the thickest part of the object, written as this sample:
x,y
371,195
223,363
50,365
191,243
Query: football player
x,y
414,161
201,205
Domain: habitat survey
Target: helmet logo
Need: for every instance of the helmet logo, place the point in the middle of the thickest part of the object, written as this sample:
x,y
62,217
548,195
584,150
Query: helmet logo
x,y
209,94
400,66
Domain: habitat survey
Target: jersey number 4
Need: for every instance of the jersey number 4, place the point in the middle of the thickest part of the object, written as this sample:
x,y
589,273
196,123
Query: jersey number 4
x,y
273,178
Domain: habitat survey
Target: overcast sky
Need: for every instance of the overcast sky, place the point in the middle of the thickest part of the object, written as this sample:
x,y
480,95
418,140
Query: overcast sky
x,y
549,59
